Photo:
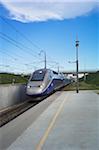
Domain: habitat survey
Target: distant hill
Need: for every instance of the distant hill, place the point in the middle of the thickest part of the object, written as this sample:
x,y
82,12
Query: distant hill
x,y
7,78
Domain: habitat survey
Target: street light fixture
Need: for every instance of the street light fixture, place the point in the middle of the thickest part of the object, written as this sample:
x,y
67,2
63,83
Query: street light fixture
x,y
44,57
57,67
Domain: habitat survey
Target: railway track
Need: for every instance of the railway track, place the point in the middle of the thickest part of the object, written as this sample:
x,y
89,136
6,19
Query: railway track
x,y
11,113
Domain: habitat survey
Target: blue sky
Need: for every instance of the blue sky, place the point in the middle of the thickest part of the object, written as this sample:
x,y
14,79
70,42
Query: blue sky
x,y
23,34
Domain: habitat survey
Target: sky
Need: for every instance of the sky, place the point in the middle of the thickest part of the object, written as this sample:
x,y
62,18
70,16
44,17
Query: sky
x,y
29,29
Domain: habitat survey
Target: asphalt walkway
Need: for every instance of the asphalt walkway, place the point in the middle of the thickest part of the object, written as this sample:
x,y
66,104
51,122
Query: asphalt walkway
x,y
71,122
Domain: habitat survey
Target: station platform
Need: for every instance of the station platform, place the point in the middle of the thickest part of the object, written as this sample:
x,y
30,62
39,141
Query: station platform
x,y
71,122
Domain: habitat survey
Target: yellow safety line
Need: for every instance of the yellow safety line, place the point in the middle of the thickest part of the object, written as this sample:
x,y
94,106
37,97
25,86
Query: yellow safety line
x,y
43,139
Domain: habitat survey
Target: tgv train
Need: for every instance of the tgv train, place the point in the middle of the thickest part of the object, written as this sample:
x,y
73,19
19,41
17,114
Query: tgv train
x,y
45,81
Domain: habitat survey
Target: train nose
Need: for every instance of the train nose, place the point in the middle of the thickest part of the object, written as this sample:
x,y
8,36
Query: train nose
x,y
34,89
35,85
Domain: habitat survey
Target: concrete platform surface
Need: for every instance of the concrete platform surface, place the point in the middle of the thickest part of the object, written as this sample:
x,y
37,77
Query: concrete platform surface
x,y
71,122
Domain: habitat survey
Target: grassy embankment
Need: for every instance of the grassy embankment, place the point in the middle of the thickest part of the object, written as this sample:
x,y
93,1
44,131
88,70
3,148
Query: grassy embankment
x,y
91,83
8,78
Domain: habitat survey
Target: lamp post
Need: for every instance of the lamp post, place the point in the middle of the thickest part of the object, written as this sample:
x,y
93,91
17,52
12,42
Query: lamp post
x,y
57,67
77,79
44,57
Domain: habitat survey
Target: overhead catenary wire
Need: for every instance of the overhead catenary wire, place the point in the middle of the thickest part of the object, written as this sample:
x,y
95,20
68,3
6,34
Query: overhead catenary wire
x,y
12,43
8,66
14,59
16,56
17,44
20,33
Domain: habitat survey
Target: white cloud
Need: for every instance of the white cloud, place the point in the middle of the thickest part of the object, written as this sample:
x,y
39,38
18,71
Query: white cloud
x,y
40,10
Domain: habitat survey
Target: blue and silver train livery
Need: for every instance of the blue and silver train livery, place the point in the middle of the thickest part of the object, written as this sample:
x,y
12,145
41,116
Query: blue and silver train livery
x,y
45,81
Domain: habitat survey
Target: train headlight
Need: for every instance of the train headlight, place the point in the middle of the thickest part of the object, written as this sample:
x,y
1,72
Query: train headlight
x,y
28,86
41,86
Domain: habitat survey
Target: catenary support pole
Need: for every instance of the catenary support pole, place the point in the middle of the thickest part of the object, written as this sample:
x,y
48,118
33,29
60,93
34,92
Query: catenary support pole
x,y
77,63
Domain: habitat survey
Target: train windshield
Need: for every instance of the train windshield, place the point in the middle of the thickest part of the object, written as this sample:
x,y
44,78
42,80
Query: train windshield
x,y
38,75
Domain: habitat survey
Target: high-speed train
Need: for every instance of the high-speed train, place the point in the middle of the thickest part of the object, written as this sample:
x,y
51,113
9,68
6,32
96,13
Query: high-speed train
x,y
45,81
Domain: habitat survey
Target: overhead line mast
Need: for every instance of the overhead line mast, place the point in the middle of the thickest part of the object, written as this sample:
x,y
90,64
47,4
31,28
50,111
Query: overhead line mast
x,y
77,68
42,51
